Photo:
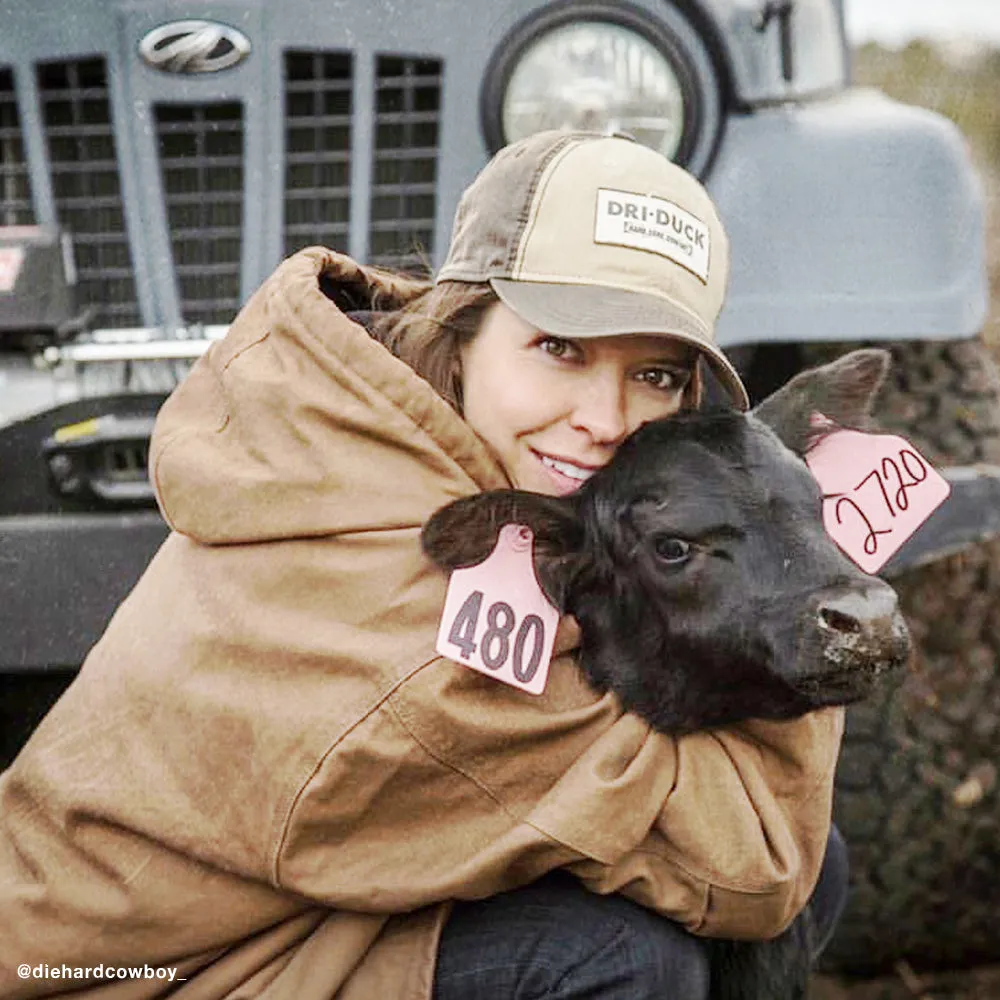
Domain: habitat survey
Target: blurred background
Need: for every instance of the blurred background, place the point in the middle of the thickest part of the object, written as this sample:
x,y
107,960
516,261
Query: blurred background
x,y
945,55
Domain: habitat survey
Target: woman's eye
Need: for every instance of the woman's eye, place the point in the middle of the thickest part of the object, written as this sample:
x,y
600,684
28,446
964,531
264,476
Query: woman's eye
x,y
665,378
672,550
557,347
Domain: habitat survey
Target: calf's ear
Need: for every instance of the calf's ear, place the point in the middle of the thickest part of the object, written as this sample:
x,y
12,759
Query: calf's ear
x,y
843,391
465,532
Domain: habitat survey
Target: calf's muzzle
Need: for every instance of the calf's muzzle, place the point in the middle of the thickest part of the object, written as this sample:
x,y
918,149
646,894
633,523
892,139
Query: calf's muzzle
x,y
850,637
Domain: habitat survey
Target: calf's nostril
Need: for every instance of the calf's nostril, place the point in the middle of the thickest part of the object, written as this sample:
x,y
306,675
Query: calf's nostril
x,y
839,621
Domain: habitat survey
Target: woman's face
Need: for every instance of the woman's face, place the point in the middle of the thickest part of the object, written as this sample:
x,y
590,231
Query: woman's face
x,y
554,410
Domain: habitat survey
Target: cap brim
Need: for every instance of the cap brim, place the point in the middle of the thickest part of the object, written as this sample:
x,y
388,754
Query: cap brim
x,y
592,311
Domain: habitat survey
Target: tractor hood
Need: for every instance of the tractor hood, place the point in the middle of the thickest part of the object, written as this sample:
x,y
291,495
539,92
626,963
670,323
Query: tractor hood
x,y
779,51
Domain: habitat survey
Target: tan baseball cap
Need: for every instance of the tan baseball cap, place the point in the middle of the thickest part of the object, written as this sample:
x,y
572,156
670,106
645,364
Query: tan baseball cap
x,y
590,235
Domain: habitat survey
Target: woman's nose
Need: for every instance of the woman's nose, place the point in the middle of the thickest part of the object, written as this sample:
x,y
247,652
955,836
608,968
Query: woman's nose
x,y
600,408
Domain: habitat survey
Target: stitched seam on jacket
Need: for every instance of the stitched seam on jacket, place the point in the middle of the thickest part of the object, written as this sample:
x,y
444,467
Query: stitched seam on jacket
x,y
296,796
484,788
713,880
182,432
444,762
246,347
288,812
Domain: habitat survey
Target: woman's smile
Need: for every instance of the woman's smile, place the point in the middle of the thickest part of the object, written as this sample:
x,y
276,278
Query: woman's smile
x,y
567,476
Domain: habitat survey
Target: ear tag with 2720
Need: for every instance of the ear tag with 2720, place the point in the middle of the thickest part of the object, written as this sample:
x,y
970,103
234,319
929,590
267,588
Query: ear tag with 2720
x,y
497,619
877,490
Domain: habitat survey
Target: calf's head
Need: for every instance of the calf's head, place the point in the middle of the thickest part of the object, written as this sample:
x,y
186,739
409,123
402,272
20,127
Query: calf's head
x,y
697,565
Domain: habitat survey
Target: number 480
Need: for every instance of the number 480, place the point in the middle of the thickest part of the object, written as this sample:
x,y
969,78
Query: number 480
x,y
495,640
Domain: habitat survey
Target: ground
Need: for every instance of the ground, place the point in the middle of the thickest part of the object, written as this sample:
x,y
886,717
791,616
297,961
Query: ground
x,y
973,984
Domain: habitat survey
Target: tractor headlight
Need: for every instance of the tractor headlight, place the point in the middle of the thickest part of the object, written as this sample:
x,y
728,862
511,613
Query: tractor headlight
x,y
603,67
597,77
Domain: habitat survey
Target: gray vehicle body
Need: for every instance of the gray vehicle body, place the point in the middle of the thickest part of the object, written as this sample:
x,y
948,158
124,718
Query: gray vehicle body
x,y
357,125
851,216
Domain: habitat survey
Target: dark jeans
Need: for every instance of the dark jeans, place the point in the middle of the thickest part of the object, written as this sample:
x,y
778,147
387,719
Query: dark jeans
x,y
554,939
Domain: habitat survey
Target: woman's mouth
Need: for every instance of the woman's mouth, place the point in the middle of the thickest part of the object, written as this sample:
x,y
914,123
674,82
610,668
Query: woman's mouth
x,y
567,476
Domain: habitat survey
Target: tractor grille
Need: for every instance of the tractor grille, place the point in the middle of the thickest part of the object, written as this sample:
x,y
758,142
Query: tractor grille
x,y
201,160
76,113
403,202
15,193
404,174
203,176
317,149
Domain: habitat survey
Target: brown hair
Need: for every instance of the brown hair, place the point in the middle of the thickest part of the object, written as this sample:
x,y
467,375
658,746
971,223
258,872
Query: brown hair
x,y
429,332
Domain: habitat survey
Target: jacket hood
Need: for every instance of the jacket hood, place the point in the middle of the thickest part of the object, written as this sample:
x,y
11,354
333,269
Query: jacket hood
x,y
298,424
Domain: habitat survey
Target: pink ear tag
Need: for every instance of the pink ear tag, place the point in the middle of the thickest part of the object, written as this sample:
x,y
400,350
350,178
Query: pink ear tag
x,y
11,259
877,490
497,619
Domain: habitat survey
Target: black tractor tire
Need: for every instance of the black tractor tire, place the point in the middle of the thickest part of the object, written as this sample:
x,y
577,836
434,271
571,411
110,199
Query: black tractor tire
x,y
917,795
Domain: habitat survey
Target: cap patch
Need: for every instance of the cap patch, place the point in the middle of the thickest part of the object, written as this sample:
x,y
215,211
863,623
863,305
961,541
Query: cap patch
x,y
645,222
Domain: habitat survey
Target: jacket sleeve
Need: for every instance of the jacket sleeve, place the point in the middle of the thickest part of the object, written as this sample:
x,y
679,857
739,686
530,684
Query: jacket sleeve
x,y
744,828
447,792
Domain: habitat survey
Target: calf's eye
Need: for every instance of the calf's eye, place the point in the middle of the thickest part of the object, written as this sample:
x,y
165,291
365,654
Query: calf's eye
x,y
672,550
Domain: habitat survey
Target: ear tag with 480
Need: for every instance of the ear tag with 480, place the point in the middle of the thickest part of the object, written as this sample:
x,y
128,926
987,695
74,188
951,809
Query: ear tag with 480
x,y
497,619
